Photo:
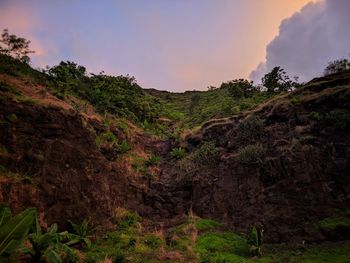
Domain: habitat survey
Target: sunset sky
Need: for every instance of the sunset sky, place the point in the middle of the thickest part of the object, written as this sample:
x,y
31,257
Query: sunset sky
x,y
180,45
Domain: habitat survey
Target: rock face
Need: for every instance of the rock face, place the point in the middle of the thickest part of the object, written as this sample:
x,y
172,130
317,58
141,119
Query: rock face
x,y
294,172
302,176
70,178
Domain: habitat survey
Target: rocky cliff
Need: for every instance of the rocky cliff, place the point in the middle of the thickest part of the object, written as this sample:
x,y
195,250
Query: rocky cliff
x,y
284,165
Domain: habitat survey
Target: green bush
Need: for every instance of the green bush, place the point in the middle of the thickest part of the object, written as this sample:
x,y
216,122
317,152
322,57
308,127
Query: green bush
x,y
251,128
252,153
178,153
206,154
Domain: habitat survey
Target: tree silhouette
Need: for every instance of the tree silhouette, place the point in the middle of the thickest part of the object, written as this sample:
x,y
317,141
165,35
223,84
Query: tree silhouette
x,y
239,88
277,80
337,66
16,47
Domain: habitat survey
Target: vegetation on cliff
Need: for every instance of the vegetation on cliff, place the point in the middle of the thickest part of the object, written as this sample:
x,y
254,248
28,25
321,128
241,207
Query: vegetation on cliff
x,y
81,147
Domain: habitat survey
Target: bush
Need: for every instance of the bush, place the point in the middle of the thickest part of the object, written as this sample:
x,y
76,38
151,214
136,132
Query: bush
x,y
339,118
251,153
316,116
250,129
206,154
177,153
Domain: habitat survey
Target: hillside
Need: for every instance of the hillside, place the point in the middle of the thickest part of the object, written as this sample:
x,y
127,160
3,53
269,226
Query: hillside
x,y
101,148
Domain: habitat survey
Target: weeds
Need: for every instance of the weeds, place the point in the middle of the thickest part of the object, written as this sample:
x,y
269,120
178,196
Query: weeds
x,y
177,153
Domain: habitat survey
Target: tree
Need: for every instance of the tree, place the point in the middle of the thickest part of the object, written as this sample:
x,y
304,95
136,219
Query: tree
x,y
239,88
277,80
337,66
16,47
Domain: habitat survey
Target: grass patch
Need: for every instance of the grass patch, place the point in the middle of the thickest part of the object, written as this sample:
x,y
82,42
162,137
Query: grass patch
x,y
226,246
207,224
333,223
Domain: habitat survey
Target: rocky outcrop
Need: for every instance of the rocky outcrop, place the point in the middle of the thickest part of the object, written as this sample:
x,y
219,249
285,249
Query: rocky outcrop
x,y
54,164
294,172
302,177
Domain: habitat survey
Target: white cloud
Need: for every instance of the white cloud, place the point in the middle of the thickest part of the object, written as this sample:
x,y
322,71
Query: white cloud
x,y
308,40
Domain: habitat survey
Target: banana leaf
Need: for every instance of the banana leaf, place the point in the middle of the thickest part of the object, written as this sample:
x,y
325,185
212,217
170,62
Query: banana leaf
x,y
15,230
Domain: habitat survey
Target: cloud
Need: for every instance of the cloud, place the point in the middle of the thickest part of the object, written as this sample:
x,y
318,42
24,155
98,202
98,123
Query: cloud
x,y
308,40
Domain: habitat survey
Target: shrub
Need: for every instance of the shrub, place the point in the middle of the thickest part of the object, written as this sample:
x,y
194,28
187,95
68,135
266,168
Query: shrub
x,y
250,129
251,153
177,153
12,117
206,154
339,118
316,116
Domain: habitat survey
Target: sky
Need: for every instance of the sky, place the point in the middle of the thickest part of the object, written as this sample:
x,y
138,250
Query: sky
x,y
180,45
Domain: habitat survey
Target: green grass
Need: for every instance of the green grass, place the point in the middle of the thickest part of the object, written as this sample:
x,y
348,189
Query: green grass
x,y
332,223
207,224
193,108
334,253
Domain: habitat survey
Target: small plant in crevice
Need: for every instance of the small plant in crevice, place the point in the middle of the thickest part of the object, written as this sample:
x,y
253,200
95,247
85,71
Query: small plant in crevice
x,y
316,116
81,233
252,153
152,160
123,146
177,153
